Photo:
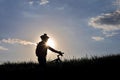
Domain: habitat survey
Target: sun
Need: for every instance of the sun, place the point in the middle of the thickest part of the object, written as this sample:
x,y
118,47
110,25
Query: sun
x,y
51,43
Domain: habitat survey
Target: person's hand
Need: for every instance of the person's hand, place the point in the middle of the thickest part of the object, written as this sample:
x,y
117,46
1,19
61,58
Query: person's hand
x,y
61,53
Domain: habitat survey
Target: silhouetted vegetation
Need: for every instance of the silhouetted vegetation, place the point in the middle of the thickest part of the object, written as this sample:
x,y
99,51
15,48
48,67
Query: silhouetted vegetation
x,y
73,68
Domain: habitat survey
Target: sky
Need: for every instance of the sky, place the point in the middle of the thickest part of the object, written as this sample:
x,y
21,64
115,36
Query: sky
x,y
79,28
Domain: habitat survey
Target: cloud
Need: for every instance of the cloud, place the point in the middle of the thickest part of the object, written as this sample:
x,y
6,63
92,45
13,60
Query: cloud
x,y
38,2
110,34
97,38
3,48
108,23
44,2
17,41
31,2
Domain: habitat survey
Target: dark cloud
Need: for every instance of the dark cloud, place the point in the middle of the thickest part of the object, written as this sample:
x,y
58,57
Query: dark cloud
x,y
107,22
110,18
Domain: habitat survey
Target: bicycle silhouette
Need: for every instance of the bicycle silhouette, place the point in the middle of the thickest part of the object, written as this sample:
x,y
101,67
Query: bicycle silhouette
x,y
58,59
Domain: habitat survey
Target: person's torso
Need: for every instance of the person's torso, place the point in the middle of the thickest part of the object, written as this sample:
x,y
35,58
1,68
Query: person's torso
x,y
41,49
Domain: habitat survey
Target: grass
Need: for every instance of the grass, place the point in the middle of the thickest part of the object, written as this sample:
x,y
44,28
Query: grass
x,y
84,67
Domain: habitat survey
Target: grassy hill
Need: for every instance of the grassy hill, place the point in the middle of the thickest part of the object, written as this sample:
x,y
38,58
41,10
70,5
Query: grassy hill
x,y
74,68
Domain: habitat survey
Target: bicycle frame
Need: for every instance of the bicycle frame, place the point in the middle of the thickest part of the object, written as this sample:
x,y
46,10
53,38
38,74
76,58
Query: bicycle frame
x,y
57,60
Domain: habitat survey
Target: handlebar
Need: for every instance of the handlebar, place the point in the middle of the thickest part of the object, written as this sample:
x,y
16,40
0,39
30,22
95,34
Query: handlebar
x,y
60,55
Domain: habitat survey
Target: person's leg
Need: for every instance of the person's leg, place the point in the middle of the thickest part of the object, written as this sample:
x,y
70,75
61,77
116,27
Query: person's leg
x,y
42,61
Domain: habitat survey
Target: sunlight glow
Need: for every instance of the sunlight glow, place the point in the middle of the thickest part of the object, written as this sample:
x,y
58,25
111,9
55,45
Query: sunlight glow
x,y
51,43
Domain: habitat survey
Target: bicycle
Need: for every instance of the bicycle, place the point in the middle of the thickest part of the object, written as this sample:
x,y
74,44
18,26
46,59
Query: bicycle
x,y
58,59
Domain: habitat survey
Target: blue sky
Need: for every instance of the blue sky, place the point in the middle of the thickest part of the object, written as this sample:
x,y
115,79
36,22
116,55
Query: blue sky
x,y
79,27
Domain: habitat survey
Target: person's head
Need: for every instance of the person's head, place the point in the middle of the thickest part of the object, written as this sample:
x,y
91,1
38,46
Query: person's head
x,y
44,37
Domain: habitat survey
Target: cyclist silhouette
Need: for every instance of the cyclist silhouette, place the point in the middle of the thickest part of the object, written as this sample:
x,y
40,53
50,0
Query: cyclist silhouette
x,y
41,50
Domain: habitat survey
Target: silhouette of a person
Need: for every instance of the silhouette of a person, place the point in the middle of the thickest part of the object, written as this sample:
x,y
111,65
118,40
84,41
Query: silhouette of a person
x,y
41,50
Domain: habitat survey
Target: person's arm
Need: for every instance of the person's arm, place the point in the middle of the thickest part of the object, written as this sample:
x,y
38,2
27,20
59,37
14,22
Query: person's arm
x,y
50,48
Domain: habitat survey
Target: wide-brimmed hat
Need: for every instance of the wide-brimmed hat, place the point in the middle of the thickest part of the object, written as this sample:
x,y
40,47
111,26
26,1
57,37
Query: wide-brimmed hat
x,y
44,36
